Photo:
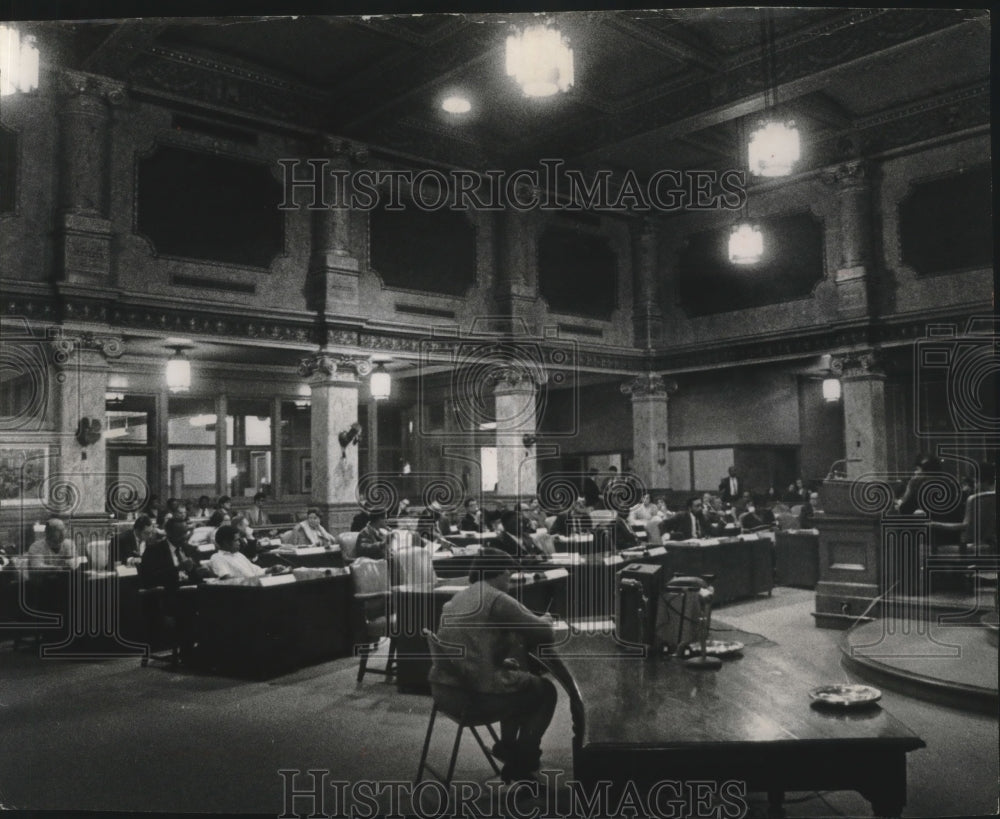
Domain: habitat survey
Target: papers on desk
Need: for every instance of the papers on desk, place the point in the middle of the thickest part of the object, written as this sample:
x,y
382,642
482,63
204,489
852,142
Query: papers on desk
x,y
126,571
539,576
453,588
708,541
276,579
749,536
566,558
575,538
306,550
632,554
613,560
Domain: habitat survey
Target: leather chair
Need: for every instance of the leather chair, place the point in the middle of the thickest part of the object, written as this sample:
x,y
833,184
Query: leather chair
x,y
467,717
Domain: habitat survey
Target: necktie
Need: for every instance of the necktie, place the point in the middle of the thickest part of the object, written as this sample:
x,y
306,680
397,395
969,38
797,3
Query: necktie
x,y
696,528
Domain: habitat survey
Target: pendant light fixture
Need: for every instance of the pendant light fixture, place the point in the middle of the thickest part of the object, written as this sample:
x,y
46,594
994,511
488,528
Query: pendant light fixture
x,y
380,383
540,59
774,146
746,242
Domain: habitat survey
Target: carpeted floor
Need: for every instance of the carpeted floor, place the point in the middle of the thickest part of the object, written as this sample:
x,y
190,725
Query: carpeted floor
x,y
112,736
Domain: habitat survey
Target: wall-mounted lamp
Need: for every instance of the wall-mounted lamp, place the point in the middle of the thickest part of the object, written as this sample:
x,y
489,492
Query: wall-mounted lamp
x,y
348,437
831,390
178,369
380,383
529,441
88,431
661,454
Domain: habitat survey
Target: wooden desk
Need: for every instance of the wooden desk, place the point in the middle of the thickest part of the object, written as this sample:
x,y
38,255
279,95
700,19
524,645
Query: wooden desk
x,y
646,721
264,629
306,557
796,558
742,568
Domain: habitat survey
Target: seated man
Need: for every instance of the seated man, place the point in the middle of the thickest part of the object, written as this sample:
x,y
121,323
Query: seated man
x,y
54,550
432,525
129,546
256,516
496,634
163,562
978,527
372,539
245,540
310,532
624,535
691,524
509,540
576,521
359,521
229,562
473,520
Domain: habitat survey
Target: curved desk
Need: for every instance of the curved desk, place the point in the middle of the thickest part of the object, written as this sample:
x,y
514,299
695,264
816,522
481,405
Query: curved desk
x,y
647,721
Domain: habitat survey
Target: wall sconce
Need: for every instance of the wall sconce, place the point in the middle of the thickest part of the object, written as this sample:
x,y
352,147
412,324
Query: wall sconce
x,y
88,431
18,62
348,437
529,441
661,454
831,390
178,369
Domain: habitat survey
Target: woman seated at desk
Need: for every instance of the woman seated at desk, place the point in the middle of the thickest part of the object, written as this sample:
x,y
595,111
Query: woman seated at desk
x,y
229,562
310,532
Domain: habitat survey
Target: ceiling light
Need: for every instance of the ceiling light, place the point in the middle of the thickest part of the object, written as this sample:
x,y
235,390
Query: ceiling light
x,y
541,61
18,62
774,148
456,105
746,244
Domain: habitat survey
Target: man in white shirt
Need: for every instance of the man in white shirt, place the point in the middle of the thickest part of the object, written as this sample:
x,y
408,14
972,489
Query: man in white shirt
x,y
55,551
229,561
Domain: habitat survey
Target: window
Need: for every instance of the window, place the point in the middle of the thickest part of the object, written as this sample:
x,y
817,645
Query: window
x,y
191,425
248,447
296,448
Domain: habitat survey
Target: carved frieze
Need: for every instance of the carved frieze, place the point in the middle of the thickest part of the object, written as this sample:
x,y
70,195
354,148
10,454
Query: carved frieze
x,y
64,345
330,364
649,384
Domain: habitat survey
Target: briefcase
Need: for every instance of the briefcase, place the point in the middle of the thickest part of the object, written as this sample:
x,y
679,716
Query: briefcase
x,y
678,614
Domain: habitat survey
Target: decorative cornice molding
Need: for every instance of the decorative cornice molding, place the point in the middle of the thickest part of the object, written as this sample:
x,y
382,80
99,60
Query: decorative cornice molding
x,y
79,83
850,174
649,384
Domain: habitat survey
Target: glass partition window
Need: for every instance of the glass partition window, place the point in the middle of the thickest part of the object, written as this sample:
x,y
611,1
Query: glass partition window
x,y
296,448
191,427
248,447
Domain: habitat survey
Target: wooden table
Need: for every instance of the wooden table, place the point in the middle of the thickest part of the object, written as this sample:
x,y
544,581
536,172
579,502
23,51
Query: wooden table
x,y
645,721
309,557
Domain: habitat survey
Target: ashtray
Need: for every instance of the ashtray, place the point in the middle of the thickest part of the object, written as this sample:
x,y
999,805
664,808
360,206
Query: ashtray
x,y
845,696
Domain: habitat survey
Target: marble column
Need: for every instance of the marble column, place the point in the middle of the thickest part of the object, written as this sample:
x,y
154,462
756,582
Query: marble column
x,y
514,396
83,227
851,182
863,392
517,280
333,268
334,380
78,486
648,312
650,393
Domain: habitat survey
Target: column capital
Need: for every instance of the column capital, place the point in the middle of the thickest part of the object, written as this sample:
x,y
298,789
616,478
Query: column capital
x,y
334,364
63,346
851,174
649,384
343,150
78,84
857,365
515,377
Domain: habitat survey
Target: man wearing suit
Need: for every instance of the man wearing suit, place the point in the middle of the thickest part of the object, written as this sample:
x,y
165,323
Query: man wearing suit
x,y
473,520
591,491
731,487
576,521
510,540
164,564
625,536
692,523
